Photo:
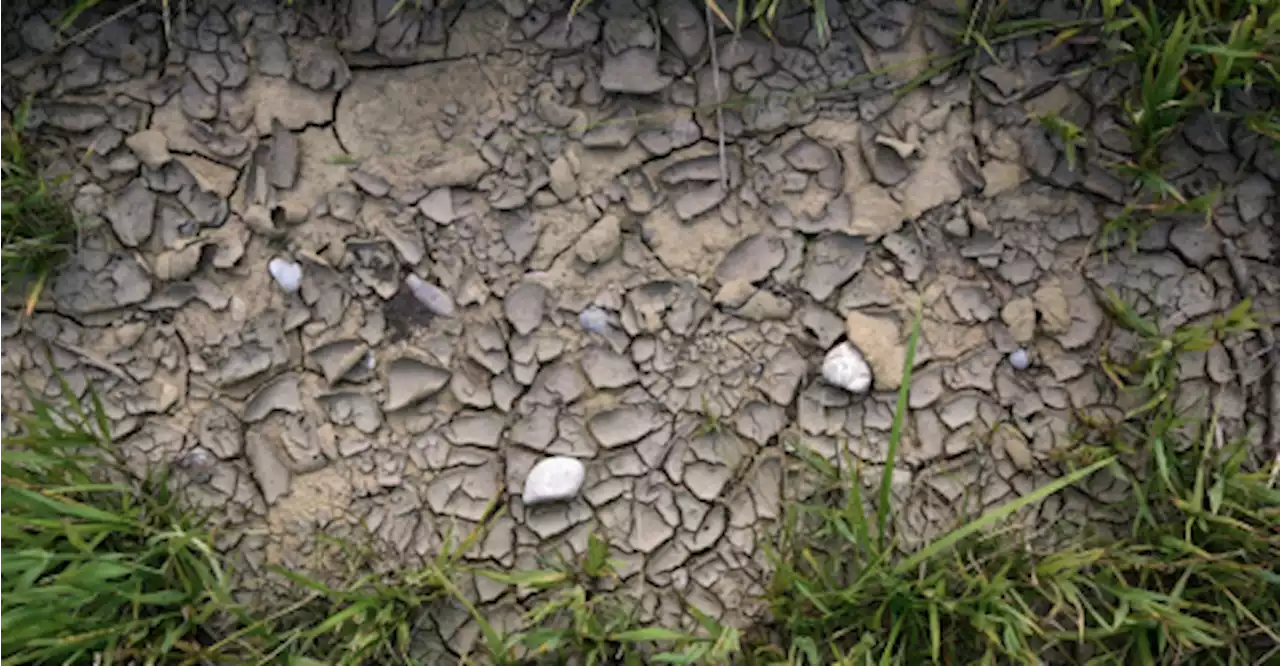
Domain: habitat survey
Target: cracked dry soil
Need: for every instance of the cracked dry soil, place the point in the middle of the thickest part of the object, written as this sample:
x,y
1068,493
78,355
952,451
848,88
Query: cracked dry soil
x,y
615,285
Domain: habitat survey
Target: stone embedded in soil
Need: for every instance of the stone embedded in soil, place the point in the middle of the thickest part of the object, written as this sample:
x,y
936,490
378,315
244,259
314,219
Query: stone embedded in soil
x,y
843,366
600,242
430,296
132,214
410,380
830,261
879,341
752,259
437,206
280,394
272,475
340,358
1019,315
594,320
287,274
635,72
219,431
622,425
524,306
553,479
151,147
282,165
606,369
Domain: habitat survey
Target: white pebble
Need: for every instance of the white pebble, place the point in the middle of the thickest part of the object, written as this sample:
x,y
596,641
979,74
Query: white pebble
x,y
554,479
1019,359
845,367
594,320
287,273
434,298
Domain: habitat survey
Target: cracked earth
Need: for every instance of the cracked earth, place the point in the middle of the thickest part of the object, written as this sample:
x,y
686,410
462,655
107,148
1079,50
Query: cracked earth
x,y
496,235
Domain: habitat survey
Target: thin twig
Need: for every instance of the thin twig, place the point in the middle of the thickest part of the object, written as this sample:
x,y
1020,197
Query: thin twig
x,y
715,81
93,359
1239,271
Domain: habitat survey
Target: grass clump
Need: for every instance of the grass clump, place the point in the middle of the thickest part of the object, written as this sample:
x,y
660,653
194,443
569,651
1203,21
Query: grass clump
x,y
39,229
581,619
96,567
1192,582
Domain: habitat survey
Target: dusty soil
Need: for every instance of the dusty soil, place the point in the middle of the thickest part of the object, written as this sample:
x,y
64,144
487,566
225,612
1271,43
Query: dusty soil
x,y
533,169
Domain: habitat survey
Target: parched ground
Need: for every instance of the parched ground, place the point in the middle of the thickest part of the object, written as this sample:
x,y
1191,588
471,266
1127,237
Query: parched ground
x,y
535,168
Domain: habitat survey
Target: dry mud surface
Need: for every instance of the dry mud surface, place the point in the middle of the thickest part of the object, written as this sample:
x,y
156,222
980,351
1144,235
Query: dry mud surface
x,y
625,289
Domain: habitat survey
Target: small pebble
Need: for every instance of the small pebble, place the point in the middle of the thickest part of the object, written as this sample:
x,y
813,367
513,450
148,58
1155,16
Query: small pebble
x,y
434,298
287,273
553,480
1019,359
845,367
595,320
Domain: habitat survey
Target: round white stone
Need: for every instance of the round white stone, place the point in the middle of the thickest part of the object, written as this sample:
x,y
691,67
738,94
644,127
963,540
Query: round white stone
x,y
287,273
1019,359
553,480
845,367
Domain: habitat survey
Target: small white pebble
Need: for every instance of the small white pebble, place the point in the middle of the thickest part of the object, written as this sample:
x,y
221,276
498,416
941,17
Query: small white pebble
x,y
554,479
434,298
287,273
594,320
1019,359
845,367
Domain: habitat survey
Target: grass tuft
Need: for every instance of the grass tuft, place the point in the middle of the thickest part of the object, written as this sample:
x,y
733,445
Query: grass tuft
x,y
39,230
98,565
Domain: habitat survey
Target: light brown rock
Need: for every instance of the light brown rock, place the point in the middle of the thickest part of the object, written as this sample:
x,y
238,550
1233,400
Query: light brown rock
x,y
880,342
1020,316
1055,311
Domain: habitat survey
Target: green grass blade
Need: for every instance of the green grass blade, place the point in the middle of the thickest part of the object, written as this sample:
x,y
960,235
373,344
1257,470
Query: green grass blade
x,y
895,434
992,517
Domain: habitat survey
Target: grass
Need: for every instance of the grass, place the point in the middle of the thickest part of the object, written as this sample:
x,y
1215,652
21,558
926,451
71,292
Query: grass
x,y
39,229
94,565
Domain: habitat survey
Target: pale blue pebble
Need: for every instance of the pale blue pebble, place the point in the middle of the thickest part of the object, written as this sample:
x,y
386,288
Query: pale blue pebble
x,y
1019,359
595,320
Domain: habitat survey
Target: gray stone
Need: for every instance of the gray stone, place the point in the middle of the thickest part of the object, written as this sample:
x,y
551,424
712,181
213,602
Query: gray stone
x,y
432,297
830,261
1251,196
782,376
634,71
699,199
619,426
76,117
197,102
887,27
683,23
886,165
282,165
908,252
438,206
1208,132
371,184
270,53
410,380
600,242
151,147
751,260
1195,242
219,431
319,66
524,306
132,214
272,475
606,369
809,156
